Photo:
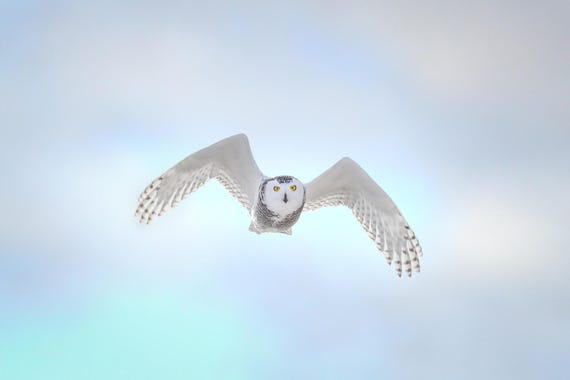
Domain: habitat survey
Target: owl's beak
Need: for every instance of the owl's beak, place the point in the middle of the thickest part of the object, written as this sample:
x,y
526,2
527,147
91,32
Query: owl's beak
x,y
285,198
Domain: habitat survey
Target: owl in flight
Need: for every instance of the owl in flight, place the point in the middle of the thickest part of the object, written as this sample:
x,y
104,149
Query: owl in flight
x,y
276,203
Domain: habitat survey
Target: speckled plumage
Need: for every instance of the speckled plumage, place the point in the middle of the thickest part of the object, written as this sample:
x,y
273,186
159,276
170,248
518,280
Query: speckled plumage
x,y
266,220
275,204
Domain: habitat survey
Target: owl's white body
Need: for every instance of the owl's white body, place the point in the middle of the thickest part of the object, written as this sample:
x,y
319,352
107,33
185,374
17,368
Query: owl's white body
x,y
278,205
275,204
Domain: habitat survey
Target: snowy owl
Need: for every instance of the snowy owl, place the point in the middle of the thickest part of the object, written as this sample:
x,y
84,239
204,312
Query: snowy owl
x,y
276,203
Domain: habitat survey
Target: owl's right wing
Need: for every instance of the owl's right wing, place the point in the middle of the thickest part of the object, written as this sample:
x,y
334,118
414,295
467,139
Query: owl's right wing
x,y
230,161
347,184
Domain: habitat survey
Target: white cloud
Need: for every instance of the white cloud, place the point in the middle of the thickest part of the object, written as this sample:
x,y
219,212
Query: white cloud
x,y
492,233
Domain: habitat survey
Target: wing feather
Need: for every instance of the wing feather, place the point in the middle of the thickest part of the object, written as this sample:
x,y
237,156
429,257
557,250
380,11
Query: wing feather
x,y
347,184
229,161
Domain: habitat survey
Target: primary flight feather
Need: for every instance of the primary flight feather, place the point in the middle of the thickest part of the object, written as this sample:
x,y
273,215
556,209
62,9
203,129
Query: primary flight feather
x,y
276,203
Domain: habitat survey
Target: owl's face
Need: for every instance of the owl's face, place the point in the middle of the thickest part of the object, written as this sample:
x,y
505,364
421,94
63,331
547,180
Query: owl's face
x,y
283,195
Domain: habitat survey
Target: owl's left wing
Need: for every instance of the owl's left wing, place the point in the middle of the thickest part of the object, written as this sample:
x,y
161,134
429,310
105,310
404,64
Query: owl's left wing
x,y
347,184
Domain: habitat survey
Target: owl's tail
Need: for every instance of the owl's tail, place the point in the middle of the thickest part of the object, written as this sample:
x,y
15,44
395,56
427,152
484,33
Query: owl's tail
x,y
252,228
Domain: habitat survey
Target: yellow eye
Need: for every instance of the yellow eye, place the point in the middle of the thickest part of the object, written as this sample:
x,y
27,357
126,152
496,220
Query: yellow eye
x,y
293,187
276,188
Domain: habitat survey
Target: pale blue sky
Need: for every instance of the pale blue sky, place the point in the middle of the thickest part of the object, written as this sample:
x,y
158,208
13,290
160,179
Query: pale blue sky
x,y
459,110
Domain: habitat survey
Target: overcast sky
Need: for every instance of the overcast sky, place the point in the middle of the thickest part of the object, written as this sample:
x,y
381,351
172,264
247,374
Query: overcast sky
x,y
459,110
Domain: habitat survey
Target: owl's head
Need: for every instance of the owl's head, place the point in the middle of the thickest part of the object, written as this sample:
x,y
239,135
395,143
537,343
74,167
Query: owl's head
x,y
283,195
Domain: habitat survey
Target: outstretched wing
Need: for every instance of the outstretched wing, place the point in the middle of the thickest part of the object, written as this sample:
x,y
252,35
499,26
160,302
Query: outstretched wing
x,y
230,161
347,184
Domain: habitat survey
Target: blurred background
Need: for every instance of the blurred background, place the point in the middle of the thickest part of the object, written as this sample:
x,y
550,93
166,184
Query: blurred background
x,y
460,111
